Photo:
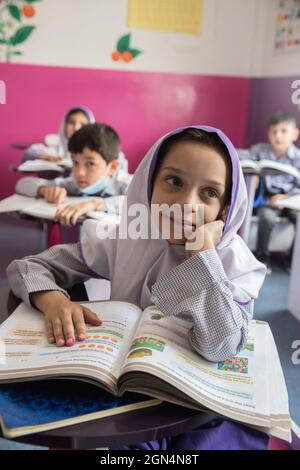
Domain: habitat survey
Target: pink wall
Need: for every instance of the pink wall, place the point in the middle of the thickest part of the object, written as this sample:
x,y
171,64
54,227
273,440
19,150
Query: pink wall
x,y
141,106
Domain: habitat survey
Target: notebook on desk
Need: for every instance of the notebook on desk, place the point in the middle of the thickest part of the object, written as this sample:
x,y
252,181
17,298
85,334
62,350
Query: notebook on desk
x,y
147,353
43,165
41,209
31,407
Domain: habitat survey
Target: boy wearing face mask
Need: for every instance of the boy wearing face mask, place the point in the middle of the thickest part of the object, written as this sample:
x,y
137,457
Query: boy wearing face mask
x,y
95,152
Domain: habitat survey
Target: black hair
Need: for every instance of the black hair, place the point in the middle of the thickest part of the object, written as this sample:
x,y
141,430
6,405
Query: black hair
x,y
75,111
101,138
281,117
208,139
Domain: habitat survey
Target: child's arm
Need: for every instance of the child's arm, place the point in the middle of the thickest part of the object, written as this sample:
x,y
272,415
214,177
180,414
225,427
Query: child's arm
x,y
200,288
32,186
41,281
29,186
42,152
54,191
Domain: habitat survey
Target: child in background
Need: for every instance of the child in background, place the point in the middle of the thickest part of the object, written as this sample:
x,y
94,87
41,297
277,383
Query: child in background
x,y
282,133
73,121
95,150
215,285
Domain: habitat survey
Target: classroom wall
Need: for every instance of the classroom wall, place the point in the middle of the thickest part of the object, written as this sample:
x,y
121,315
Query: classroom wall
x,y
141,106
178,79
77,33
268,96
273,75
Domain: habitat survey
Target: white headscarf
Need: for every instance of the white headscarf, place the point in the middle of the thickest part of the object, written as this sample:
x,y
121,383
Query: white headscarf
x,y
133,266
63,148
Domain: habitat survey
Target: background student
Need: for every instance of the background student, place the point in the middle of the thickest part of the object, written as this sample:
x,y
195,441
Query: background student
x,y
95,150
282,133
73,120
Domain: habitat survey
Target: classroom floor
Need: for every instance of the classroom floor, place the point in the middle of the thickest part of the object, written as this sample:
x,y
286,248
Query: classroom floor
x,y
271,305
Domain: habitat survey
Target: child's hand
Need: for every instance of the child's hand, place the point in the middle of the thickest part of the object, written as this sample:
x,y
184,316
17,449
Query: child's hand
x,y
70,214
276,198
204,238
64,320
53,194
51,158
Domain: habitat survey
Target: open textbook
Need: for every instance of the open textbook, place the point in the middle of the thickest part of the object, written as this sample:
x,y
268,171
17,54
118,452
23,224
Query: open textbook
x,y
45,210
148,353
43,165
269,167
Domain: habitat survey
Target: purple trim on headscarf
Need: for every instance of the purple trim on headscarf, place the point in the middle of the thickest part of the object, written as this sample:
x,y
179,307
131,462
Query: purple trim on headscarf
x,y
234,162
242,303
88,113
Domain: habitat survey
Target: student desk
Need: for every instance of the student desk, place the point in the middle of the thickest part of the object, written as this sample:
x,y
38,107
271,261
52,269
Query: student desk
x,y
47,174
124,429
55,233
294,288
21,145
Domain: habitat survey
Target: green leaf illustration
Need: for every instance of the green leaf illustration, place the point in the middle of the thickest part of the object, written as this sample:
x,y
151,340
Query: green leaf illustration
x,y
15,12
17,52
3,41
135,52
123,43
21,35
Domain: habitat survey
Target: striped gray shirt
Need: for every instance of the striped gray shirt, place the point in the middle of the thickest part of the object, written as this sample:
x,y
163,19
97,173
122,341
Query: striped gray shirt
x,y
198,287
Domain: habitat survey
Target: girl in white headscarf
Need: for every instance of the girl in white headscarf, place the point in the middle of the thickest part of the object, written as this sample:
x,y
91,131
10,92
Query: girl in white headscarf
x,y
74,120
214,283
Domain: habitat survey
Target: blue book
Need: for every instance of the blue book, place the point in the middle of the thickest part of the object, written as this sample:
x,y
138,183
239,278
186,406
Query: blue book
x,y
30,407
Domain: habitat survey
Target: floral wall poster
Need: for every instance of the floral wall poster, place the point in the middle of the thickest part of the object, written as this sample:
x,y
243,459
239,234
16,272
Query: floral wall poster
x,y
15,26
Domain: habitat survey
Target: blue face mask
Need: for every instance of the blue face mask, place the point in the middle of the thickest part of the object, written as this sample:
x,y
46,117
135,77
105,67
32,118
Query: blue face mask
x,y
95,188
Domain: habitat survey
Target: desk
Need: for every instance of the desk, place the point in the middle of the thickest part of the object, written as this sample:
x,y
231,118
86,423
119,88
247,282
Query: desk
x,y
124,429
47,174
21,145
54,232
294,288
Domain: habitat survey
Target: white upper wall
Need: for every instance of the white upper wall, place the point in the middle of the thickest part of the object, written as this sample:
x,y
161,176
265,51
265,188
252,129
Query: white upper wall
x,y
237,39
83,33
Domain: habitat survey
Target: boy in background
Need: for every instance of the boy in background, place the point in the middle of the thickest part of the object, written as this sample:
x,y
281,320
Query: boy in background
x,y
96,176
282,133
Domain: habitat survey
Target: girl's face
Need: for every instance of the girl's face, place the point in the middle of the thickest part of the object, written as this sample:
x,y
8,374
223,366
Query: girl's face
x,y
192,173
74,123
89,166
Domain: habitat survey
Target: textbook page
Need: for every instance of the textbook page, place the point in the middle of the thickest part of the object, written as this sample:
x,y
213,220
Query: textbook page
x,y
26,353
46,210
40,165
15,203
236,387
268,167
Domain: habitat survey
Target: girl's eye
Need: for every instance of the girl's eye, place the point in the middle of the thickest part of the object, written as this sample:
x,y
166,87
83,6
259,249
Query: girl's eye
x,y
211,193
174,181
